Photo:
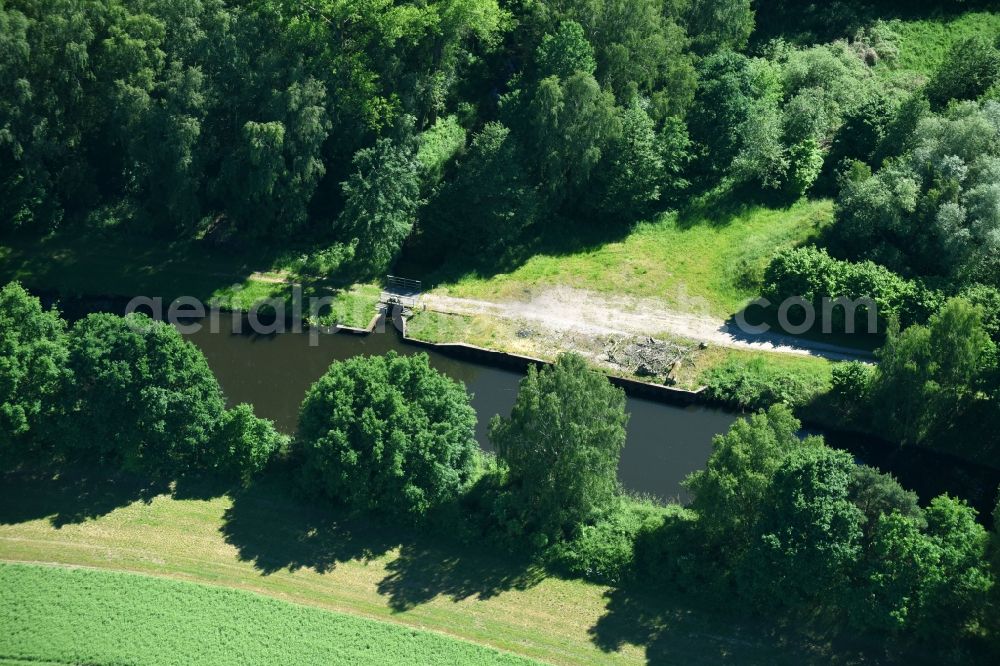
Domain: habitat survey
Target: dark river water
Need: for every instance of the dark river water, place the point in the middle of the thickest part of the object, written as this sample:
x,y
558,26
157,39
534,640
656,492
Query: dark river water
x,y
665,443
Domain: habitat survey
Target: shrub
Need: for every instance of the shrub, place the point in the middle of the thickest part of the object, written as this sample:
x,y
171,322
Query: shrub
x,y
438,145
604,551
851,387
752,383
246,444
813,275
670,552
972,66
387,433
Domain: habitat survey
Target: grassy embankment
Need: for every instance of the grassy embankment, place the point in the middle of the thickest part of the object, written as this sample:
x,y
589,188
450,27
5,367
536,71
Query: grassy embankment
x,y
264,541
72,615
702,262
924,44
93,266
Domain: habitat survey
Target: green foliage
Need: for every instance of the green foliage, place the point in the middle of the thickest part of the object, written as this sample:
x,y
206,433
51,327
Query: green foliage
x,y
812,274
78,615
141,396
851,384
865,126
569,123
931,582
638,45
730,491
954,585
987,300
753,383
971,67
381,200
931,211
489,202
634,169
246,444
809,534
674,146
438,145
386,433
566,52
728,89
604,551
671,552
561,447
33,368
720,24
876,494
927,375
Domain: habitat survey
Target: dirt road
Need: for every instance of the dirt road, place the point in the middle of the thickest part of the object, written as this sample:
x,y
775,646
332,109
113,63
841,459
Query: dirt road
x,y
563,309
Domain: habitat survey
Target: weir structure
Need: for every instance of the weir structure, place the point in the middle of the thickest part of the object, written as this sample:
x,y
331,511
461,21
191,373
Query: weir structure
x,y
401,291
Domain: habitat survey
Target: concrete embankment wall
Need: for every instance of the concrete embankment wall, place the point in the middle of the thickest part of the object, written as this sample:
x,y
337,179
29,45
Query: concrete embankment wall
x,y
499,359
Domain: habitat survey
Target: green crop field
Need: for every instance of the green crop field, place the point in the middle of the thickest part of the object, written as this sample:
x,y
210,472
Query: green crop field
x,y
71,615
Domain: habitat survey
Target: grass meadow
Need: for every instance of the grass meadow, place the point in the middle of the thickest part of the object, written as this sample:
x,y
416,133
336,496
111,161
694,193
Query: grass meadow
x,y
708,255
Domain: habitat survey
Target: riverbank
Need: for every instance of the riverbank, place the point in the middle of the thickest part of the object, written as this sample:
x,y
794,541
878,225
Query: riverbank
x,y
115,268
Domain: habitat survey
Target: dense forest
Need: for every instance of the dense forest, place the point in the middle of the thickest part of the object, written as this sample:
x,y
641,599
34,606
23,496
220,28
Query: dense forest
x,y
363,127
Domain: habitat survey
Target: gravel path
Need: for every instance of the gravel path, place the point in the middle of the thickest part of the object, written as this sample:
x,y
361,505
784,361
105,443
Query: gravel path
x,y
568,309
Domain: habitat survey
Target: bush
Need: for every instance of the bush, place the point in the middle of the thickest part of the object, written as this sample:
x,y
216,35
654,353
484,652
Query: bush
x,y
813,275
387,433
604,551
851,387
752,383
972,66
246,444
438,145
670,554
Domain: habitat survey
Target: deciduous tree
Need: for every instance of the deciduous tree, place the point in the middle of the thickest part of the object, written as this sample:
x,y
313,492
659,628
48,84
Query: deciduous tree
x,y
386,433
561,447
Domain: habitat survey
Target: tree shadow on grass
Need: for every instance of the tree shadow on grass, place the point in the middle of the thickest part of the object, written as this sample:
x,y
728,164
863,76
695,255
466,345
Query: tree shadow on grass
x,y
71,495
675,627
276,531
421,573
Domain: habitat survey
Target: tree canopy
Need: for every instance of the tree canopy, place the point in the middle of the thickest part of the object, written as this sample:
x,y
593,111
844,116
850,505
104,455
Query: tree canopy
x,y
561,446
387,433
33,368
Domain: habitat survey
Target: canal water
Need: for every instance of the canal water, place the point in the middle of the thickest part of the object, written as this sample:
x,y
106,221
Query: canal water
x,y
665,443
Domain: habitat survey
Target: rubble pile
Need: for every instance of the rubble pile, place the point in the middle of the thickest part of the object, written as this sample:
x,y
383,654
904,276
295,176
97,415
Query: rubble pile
x,y
647,357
